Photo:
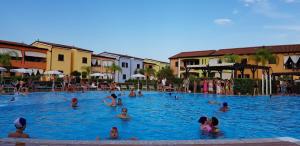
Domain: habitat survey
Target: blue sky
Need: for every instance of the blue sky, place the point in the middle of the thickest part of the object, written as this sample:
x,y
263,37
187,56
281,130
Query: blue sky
x,y
154,29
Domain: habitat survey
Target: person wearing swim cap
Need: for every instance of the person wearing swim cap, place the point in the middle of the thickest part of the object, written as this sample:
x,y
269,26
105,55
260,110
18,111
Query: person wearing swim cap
x,y
225,107
204,124
124,114
20,124
113,98
74,102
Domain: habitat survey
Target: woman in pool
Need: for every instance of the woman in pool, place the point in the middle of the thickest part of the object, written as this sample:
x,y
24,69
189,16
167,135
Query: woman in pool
x,y
113,98
132,93
74,102
124,114
205,126
225,107
20,124
214,125
114,133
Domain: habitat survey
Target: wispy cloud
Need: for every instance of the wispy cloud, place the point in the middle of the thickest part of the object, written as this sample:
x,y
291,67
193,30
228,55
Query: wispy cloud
x,y
235,12
283,27
289,1
266,8
223,21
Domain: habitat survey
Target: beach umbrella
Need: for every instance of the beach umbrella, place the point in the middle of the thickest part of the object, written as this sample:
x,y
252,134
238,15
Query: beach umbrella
x,y
2,69
21,70
138,76
52,72
97,75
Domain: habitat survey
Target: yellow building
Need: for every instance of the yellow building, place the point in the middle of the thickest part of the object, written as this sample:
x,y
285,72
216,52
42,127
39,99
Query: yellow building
x,y
287,61
155,64
65,58
190,58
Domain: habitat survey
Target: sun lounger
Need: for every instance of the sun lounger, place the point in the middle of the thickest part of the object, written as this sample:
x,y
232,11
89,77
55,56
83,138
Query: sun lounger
x,y
144,87
131,87
151,87
124,87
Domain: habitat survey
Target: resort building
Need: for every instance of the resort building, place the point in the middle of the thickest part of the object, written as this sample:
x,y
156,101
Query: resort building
x,y
155,64
130,65
180,61
286,62
101,64
25,56
65,58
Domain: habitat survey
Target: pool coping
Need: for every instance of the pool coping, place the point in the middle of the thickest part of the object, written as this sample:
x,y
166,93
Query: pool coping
x,y
150,142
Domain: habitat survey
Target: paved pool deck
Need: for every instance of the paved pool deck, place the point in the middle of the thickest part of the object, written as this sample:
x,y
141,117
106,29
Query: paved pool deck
x,y
281,141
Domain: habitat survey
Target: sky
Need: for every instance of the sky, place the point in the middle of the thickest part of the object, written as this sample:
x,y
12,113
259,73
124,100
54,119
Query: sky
x,y
156,29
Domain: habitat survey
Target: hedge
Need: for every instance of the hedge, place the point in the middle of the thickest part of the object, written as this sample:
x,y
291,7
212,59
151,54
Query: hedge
x,y
243,86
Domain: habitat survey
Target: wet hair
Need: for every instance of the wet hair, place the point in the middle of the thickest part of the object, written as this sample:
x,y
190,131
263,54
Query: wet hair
x,y
124,109
74,99
225,104
119,99
114,128
202,120
214,121
114,95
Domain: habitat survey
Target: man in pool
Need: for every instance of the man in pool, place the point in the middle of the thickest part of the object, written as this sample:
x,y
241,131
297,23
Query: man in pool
x,y
20,124
225,107
214,123
113,98
124,114
140,93
74,102
119,102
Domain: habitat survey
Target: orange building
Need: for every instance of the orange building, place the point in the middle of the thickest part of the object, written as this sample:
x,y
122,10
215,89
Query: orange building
x,y
25,56
101,64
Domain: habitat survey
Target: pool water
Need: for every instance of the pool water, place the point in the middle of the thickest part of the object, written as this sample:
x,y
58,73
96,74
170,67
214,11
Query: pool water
x,y
155,116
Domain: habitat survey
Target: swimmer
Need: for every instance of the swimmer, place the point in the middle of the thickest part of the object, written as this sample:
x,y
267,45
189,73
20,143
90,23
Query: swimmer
x,y
224,108
114,134
132,93
140,93
214,123
113,98
119,101
124,114
12,99
20,124
74,102
204,124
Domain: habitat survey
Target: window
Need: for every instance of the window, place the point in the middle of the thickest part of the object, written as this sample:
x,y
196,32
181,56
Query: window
x,y
60,57
84,60
34,59
176,64
124,76
123,64
244,61
150,66
272,61
126,65
220,61
138,66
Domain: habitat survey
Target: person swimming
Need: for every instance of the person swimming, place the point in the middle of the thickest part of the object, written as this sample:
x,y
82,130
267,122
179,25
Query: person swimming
x,y
114,134
119,101
214,123
140,93
13,98
132,93
74,102
20,124
113,98
225,107
204,124
124,114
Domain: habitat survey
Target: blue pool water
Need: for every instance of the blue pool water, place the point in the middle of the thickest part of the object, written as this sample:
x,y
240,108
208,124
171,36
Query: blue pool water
x,y
155,116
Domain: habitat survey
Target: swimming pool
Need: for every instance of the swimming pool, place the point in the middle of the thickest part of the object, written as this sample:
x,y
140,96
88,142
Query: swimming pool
x,y
155,116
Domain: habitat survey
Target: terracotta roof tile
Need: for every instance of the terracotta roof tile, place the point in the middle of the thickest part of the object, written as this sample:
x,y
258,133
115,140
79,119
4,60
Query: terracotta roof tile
x,y
64,46
19,44
193,54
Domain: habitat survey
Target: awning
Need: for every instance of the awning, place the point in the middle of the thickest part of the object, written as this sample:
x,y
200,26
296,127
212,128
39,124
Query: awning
x,y
99,62
295,58
35,54
94,61
17,53
285,59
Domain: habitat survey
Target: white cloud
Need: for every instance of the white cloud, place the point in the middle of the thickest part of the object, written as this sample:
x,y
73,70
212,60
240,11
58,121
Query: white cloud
x,y
266,8
235,12
283,27
223,21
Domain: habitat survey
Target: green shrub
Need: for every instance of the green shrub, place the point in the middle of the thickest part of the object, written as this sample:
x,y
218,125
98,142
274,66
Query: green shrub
x,y
243,86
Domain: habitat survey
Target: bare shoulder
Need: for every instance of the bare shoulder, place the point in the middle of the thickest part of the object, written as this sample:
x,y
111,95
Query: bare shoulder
x,y
25,135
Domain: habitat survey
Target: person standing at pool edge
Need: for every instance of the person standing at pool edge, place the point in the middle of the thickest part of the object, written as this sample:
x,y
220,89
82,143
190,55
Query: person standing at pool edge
x,y
20,124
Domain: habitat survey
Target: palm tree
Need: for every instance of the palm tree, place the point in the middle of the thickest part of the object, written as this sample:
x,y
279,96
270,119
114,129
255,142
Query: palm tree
x,y
5,59
87,69
114,68
232,58
148,72
262,56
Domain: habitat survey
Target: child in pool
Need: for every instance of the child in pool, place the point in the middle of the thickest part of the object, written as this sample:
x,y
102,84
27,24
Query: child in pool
x,y
205,126
124,114
74,102
119,101
224,108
